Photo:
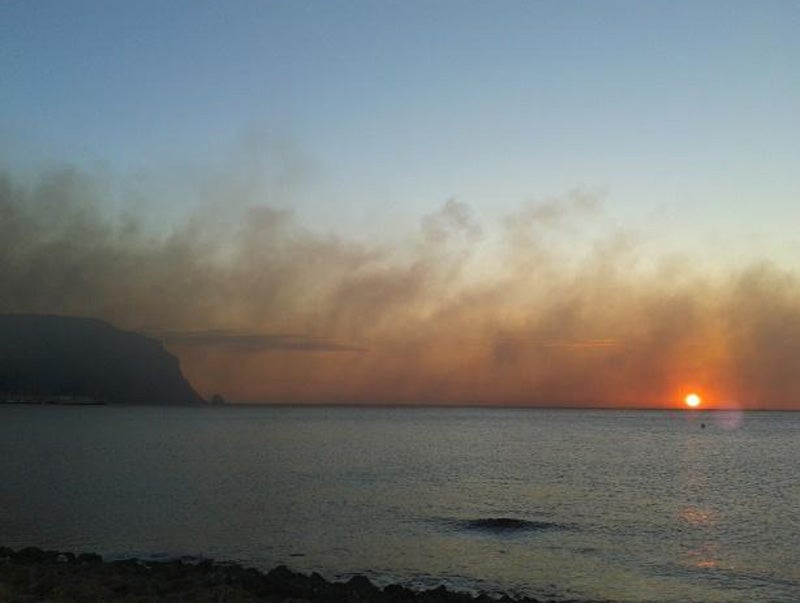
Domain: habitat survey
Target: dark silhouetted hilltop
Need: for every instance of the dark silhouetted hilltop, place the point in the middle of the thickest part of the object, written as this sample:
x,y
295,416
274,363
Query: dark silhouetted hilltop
x,y
52,356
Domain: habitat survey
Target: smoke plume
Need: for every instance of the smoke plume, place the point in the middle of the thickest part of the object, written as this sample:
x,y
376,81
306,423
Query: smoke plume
x,y
261,308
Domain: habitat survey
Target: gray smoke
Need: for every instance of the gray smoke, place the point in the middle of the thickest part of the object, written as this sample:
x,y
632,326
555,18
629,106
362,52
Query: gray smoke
x,y
260,308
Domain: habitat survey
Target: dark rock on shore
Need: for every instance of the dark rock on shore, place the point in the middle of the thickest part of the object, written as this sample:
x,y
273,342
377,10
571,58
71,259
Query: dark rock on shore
x,y
46,357
32,574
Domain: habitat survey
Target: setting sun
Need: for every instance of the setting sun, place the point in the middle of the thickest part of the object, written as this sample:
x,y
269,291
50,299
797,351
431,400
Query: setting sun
x,y
692,400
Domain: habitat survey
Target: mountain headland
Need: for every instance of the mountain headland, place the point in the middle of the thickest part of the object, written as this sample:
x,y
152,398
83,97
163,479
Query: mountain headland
x,y
66,359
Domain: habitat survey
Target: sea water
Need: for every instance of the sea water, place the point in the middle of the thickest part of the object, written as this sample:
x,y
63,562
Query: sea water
x,y
620,505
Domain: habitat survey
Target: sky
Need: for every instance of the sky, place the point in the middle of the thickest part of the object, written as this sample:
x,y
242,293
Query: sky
x,y
545,203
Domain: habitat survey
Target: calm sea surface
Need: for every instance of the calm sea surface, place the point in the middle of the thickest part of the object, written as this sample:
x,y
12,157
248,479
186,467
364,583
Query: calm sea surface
x,y
620,505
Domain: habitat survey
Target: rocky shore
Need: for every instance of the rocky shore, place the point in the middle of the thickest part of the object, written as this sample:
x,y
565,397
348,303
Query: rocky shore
x,y
31,574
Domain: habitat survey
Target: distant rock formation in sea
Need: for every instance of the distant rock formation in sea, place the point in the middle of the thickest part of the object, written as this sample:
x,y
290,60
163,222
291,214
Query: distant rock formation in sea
x,y
46,356
506,524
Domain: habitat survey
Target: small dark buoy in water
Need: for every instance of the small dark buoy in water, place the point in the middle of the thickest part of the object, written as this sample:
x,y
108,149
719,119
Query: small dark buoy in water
x,y
702,425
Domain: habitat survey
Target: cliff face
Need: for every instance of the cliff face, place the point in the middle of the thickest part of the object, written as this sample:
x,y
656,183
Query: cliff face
x,y
66,356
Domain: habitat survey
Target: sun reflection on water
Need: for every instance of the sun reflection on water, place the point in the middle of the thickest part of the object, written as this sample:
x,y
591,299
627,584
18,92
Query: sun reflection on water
x,y
696,516
704,557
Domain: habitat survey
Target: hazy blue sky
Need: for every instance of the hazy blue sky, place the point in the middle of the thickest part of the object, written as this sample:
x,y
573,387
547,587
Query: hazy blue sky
x,y
681,115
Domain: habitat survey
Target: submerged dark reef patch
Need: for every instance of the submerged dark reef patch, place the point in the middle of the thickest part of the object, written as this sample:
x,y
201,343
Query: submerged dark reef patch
x,y
504,525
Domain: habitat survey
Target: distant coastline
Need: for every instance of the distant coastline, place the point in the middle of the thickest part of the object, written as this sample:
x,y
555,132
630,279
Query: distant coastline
x,y
49,400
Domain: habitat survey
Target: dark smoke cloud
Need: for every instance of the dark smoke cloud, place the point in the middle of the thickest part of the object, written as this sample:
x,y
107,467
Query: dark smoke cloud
x,y
252,342
260,308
